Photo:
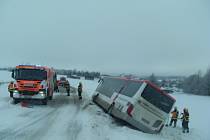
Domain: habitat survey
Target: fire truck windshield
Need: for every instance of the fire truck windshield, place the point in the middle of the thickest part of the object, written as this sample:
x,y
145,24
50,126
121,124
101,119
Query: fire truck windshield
x,y
30,74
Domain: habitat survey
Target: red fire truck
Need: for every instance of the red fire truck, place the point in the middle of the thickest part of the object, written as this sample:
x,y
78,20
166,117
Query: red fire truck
x,y
33,82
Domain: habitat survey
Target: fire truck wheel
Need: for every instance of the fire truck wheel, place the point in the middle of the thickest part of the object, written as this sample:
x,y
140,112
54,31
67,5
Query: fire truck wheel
x,y
50,97
16,101
44,101
68,92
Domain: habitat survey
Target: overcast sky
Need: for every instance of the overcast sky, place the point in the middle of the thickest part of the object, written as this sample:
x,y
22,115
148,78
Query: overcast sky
x,y
165,37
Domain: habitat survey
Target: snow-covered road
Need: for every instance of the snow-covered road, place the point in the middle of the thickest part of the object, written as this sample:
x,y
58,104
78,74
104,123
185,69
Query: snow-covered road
x,y
67,118
57,120
60,119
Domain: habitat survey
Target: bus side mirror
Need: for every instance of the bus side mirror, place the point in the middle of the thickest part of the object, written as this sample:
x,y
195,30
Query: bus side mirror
x,y
13,75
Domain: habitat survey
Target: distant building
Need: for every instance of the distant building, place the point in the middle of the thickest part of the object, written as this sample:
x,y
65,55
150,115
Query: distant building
x,y
73,76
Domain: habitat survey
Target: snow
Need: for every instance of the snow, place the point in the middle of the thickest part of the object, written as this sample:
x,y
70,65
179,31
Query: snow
x,y
5,76
67,118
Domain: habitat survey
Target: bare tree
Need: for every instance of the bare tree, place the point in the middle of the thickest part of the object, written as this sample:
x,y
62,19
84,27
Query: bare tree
x,y
153,79
206,83
196,84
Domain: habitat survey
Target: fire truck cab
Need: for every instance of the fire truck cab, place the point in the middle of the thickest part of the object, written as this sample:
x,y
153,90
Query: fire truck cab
x,y
63,86
33,82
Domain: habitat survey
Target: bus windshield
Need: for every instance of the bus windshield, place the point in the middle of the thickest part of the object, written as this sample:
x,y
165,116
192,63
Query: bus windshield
x,y
30,74
158,99
109,86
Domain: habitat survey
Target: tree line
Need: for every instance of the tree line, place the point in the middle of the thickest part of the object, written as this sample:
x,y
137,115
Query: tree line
x,y
78,73
197,83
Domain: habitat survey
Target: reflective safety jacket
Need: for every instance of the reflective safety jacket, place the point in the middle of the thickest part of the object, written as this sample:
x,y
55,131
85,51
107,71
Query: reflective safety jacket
x,y
185,117
11,87
175,114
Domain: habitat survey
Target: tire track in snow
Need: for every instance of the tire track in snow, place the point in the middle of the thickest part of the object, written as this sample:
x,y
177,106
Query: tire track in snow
x,y
13,132
63,113
39,130
73,130
74,126
42,124
66,125
59,124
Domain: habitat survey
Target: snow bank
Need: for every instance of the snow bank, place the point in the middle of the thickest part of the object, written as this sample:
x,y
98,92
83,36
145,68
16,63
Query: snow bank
x,y
105,127
199,113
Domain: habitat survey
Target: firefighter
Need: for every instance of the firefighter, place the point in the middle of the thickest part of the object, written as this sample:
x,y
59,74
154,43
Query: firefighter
x,y
185,120
79,90
67,85
174,117
11,88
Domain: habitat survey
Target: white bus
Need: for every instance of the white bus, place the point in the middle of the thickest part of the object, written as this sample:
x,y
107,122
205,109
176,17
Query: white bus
x,y
140,103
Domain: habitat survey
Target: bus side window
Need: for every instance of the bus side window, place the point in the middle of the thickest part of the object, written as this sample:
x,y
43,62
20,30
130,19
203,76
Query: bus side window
x,y
131,88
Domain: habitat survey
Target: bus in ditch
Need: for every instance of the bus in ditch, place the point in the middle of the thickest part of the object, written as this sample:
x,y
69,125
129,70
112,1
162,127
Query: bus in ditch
x,y
33,82
137,102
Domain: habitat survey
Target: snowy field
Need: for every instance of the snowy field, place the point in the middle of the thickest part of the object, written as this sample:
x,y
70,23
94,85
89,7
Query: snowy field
x,y
5,76
66,118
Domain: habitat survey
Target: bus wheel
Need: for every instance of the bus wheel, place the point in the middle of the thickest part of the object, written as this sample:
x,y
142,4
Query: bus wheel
x,y
95,96
11,94
160,129
44,101
110,108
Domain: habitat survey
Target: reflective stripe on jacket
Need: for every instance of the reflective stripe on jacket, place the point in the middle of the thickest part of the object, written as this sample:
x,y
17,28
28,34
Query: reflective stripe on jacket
x,y
185,117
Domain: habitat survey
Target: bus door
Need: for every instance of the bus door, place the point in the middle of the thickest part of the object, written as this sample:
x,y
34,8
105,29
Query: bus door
x,y
119,85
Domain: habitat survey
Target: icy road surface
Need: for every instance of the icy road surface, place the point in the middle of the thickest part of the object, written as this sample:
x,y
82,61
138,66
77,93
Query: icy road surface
x,y
67,118
58,120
